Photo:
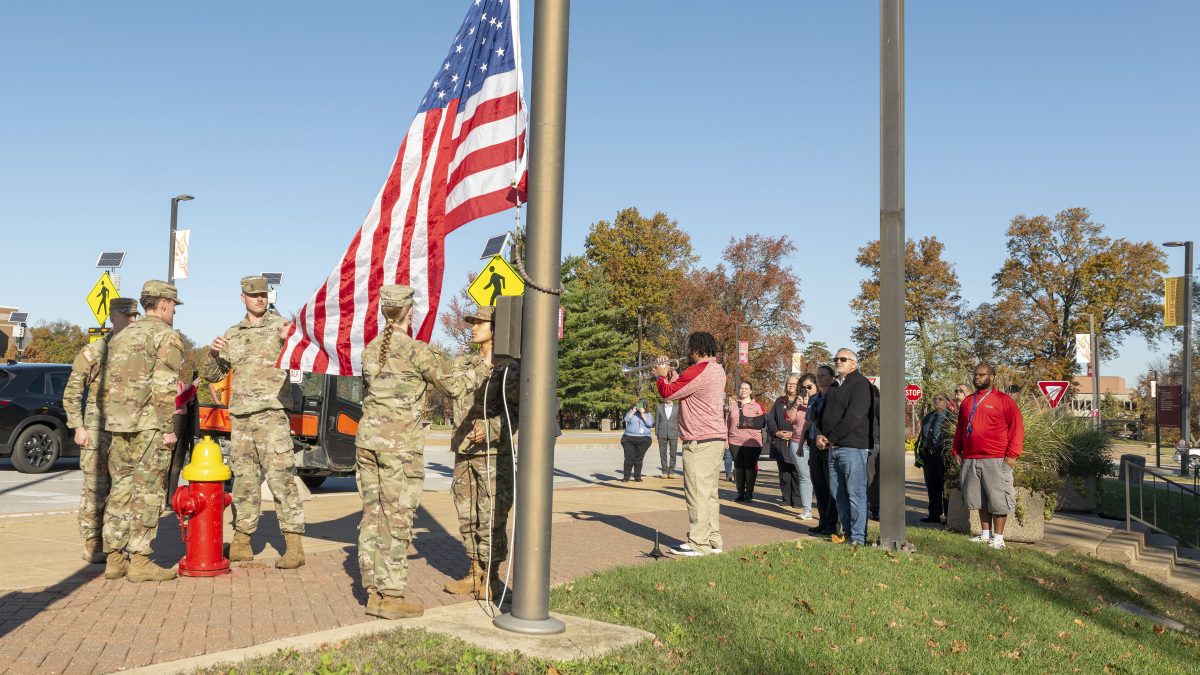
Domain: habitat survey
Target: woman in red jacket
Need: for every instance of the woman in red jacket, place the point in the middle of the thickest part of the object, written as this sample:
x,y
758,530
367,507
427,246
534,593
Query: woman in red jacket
x,y
745,420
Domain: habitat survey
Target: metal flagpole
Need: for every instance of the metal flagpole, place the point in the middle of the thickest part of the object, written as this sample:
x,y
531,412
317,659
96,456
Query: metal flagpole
x,y
539,326
891,275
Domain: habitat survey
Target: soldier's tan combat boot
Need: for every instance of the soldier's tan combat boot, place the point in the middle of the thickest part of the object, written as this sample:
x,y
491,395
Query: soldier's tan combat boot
x,y
489,586
141,568
93,552
293,557
398,608
240,550
116,565
473,579
373,600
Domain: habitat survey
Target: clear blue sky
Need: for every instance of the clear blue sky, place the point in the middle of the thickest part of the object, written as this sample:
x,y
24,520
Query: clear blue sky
x,y
283,118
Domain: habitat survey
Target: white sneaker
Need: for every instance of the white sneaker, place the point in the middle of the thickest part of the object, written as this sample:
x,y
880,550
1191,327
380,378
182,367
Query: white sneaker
x,y
685,552
997,544
806,515
688,547
981,539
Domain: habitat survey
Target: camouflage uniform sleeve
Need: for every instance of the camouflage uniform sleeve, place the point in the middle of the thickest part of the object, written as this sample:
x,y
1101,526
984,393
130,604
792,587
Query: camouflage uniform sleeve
x,y
164,380
83,374
442,372
215,370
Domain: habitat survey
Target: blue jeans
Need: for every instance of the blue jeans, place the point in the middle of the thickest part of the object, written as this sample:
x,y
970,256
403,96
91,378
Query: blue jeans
x,y
728,462
800,461
848,482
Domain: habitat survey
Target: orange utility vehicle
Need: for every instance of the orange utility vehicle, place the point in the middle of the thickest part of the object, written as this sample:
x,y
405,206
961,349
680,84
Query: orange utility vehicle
x,y
324,415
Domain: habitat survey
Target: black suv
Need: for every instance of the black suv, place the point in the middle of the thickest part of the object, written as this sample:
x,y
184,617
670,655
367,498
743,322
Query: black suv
x,y
33,423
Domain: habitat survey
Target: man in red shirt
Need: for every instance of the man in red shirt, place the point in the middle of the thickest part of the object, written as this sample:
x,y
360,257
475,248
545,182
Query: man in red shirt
x,y
988,440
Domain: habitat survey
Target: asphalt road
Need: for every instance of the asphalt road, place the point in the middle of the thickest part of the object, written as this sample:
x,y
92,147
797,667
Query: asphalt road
x,y
576,463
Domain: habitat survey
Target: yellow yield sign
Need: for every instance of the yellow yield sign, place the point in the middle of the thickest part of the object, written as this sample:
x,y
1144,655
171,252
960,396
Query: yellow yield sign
x,y
496,279
100,297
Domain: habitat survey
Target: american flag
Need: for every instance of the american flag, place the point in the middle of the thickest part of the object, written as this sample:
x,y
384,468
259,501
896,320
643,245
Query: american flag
x,y
463,158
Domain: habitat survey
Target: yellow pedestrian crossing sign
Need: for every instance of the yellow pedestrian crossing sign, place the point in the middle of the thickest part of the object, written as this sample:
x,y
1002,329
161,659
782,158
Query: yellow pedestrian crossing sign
x,y
497,278
101,295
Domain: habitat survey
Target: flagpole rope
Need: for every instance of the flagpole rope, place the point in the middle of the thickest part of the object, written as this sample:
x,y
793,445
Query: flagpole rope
x,y
521,258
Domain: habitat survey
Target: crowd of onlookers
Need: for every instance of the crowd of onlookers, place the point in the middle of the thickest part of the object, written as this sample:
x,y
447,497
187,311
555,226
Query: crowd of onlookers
x,y
823,435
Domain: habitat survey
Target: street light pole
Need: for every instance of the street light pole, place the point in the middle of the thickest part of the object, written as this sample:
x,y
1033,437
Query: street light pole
x,y
1095,367
1185,409
174,225
892,535
641,374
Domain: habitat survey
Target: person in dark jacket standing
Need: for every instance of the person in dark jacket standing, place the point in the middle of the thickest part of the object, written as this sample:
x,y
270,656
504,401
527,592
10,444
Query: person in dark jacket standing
x,y
846,430
666,427
929,457
818,459
780,431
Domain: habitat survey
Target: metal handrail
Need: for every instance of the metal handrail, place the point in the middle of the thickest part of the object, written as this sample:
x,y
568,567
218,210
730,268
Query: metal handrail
x,y
1163,519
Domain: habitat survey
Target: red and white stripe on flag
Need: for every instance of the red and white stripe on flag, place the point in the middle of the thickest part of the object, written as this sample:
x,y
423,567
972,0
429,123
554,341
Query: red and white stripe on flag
x,y
463,158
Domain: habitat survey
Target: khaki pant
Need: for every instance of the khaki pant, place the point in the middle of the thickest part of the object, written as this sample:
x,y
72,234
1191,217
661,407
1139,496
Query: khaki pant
x,y
390,485
701,471
261,444
138,463
93,462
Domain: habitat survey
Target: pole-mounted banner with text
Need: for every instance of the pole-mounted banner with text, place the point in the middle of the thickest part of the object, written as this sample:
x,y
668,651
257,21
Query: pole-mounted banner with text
x,y
1174,299
1083,351
743,352
183,243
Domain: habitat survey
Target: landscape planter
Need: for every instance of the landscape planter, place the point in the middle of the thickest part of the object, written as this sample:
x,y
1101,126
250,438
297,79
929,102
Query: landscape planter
x,y
1081,495
1028,528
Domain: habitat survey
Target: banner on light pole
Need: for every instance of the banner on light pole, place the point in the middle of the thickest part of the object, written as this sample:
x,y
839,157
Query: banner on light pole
x,y
1083,351
183,240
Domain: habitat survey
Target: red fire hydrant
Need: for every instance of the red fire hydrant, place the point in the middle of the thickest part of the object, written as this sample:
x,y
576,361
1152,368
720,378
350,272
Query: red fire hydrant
x,y
199,506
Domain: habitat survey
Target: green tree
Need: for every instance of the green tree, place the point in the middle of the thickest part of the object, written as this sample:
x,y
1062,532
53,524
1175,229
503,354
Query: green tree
x,y
645,259
590,384
933,306
1059,271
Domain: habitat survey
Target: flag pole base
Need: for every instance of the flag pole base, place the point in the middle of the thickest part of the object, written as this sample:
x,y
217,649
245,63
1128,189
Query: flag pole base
x,y
547,626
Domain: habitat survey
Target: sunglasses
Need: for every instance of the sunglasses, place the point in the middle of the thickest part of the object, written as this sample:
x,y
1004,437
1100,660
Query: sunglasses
x,y
810,387
843,359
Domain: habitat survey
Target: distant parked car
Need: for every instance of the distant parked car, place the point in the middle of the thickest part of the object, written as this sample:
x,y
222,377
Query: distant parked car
x,y
33,423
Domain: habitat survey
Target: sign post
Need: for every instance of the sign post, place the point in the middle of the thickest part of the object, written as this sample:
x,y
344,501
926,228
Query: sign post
x,y
1054,391
497,278
99,298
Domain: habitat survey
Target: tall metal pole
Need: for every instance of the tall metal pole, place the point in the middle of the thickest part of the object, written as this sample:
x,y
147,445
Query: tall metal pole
x,y
891,275
171,244
1186,408
539,327
641,374
1095,366
737,358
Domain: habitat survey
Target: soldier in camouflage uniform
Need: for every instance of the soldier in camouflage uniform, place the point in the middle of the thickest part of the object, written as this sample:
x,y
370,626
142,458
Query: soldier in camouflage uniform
x,y
261,433
140,383
483,464
87,380
397,371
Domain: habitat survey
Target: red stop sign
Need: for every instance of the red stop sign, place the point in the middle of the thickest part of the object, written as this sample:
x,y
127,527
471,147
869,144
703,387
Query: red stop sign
x,y
913,393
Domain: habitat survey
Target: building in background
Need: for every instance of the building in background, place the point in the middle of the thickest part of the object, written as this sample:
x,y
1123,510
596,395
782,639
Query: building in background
x,y
6,327
1110,385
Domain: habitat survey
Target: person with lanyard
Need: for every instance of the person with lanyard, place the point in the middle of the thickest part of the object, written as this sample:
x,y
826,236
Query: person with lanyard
x,y
989,439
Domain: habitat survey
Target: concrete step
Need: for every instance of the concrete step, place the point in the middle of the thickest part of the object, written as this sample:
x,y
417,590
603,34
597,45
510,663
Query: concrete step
x,y
1158,564
1121,547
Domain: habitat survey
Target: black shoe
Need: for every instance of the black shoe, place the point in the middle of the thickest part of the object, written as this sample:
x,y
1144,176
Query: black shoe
x,y
638,479
816,529
625,479
931,519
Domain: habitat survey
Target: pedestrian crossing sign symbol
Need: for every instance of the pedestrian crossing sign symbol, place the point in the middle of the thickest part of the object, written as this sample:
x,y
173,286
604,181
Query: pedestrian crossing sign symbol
x,y
101,295
496,279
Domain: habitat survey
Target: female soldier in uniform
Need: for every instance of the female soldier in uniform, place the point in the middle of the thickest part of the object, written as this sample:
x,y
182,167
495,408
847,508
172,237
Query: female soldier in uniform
x,y
397,371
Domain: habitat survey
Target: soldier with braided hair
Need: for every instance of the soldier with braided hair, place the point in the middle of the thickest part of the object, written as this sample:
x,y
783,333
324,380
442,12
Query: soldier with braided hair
x,y
397,371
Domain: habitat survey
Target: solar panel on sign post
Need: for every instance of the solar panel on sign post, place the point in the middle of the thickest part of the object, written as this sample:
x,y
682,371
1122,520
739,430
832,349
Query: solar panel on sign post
x,y
493,246
111,259
273,278
18,317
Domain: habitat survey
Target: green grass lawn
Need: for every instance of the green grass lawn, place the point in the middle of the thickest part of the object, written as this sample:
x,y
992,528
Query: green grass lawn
x,y
954,606
1174,511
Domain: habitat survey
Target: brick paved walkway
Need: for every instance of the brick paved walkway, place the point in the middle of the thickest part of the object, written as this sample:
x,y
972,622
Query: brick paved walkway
x,y
85,624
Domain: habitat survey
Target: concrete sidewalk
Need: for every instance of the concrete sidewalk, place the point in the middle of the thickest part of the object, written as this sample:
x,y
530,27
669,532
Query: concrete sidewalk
x,y
64,618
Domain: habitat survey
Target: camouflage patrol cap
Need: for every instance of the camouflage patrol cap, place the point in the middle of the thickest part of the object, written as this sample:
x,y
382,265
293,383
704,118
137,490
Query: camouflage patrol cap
x,y
123,306
254,284
480,314
395,296
161,289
